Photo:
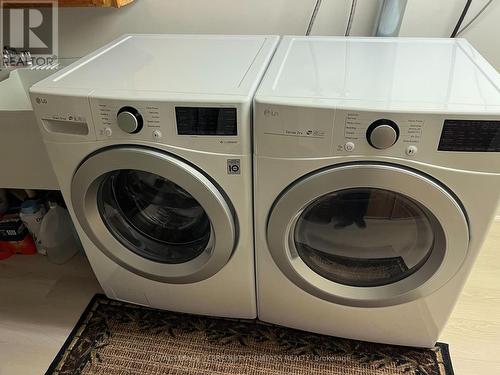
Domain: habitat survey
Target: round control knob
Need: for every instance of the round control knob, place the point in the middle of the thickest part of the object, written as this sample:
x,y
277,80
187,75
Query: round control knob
x,y
382,134
129,120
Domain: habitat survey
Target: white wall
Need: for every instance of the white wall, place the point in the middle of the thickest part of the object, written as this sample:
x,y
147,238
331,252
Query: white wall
x,y
438,18
84,29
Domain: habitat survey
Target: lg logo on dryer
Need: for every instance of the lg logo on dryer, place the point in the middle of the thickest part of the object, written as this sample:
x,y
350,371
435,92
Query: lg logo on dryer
x,y
40,100
271,113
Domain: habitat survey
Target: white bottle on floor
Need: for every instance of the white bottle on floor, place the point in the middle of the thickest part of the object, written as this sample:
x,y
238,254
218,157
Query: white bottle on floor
x,y
57,235
32,213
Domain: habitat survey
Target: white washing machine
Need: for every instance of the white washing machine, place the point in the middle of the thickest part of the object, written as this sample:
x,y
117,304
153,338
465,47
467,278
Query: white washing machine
x,y
150,139
377,176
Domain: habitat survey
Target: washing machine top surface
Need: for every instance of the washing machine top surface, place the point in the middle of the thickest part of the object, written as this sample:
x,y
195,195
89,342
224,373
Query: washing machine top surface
x,y
193,64
417,74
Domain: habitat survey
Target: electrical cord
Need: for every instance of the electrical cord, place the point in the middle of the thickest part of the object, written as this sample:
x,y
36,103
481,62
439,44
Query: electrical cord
x,y
474,18
351,18
461,19
313,17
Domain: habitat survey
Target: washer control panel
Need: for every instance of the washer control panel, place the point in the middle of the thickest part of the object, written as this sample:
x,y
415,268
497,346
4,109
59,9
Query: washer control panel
x,y
216,126
115,119
378,133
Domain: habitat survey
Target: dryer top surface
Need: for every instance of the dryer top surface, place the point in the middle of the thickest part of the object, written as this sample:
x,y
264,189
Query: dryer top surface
x,y
408,74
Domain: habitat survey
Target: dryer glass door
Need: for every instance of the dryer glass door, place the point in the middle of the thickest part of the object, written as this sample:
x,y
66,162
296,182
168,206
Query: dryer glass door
x,y
365,237
368,234
154,214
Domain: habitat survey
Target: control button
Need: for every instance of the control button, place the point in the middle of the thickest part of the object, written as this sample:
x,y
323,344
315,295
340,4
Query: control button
x,y
349,146
157,134
129,120
108,132
382,134
411,150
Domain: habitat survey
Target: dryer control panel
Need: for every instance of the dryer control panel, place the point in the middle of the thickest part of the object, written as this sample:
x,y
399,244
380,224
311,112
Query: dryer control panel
x,y
397,134
367,131
465,141
458,141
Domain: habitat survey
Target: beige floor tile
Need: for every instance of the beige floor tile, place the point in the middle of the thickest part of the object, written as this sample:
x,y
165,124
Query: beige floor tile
x,y
40,304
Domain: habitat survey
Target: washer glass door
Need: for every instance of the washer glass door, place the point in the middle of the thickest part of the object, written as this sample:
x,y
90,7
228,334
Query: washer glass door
x,y
367,234
154,214
153,217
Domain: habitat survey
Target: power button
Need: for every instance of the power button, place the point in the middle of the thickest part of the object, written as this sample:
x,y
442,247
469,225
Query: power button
x,y
157,135
349,146
411,150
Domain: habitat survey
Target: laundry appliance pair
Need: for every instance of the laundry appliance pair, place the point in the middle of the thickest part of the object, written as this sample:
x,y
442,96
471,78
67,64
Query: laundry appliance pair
x,y
369,156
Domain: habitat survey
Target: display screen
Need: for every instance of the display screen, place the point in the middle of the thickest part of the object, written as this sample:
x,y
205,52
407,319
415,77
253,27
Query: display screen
x,y
206,121
470,136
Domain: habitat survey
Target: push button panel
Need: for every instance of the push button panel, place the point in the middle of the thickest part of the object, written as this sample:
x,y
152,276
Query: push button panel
x,y
122,120
377,133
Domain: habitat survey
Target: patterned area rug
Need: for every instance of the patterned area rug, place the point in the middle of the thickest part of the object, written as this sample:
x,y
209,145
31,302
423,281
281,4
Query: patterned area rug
x,y
117,338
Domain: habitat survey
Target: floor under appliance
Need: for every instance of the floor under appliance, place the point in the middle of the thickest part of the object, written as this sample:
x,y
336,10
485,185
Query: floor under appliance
x,y
40,303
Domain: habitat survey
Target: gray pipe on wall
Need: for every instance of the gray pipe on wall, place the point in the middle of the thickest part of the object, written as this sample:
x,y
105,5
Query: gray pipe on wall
x,y
390,18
